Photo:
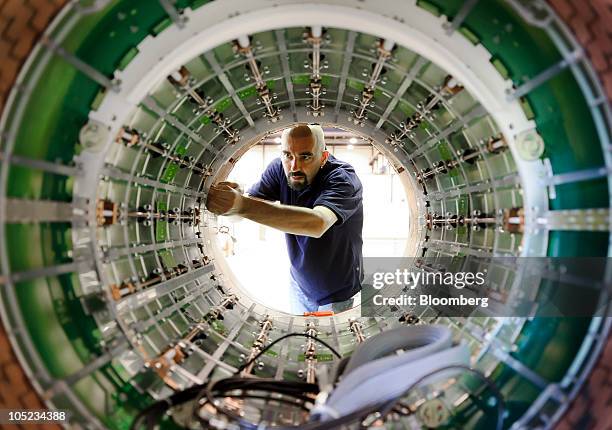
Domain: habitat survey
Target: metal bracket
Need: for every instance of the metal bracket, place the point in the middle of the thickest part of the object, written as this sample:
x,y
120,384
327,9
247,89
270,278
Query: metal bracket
x,y
465,10
37,211
80,65
546,75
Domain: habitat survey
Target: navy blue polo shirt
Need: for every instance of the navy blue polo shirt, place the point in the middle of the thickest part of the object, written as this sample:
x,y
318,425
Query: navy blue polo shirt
x,y
330,268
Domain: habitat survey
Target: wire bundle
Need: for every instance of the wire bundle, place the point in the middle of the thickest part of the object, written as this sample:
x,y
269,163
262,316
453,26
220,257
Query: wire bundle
x,y
294,393
298,393
371,381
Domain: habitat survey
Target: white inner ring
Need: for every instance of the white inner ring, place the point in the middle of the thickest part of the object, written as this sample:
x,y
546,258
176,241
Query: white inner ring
x,y
420,31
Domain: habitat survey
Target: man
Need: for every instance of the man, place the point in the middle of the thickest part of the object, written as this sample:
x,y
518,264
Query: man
x,y
320,210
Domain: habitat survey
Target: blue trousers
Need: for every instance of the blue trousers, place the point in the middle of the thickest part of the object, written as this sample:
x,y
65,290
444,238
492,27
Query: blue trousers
x,y
301,303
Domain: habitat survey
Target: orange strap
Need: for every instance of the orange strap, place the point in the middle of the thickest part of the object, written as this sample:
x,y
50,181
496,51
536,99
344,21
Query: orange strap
x,y
319,314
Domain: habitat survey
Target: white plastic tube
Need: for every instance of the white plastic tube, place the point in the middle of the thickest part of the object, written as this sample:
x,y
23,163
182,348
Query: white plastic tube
x,y
244,41
388,44
418,340
386,378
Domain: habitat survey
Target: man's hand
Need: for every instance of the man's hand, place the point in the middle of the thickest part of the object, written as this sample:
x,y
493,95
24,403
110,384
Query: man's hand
x,y
224,198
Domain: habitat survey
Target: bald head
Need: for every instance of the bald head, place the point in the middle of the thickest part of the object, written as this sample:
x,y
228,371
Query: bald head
x,y
303,154
300,130
306,131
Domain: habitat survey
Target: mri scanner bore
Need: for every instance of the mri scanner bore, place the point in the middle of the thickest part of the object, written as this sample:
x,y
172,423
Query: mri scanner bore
x,y
119,308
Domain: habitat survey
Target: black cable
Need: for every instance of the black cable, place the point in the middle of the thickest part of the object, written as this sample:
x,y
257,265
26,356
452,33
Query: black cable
x,y
148,416
295,389
340,367
221,387
207,391
154,412
244,424
151,415
269,398
285,387
252,360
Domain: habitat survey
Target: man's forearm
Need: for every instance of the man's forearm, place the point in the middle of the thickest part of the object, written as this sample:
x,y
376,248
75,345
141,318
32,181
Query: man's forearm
x,y
290,219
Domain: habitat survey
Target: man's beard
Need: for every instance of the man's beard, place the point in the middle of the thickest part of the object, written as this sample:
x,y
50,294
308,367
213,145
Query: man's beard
x,y
297,186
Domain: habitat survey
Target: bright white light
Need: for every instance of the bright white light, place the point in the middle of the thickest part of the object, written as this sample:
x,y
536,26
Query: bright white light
x,y
353,140
350,146
258,257
277,140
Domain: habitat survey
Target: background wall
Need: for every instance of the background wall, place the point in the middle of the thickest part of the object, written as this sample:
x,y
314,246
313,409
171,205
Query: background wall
x,y
258,254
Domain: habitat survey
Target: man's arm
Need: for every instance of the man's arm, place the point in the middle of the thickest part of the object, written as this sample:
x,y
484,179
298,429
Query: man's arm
x,y
290,219
225,199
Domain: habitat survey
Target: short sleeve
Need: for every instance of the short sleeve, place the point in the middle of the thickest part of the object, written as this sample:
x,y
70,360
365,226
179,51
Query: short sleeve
x,y
342,193
268,186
